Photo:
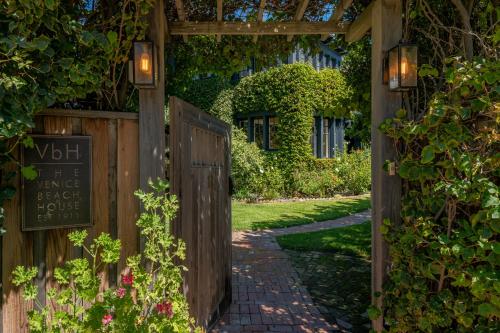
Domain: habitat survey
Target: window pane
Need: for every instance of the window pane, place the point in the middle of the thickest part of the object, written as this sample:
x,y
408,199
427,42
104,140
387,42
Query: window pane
x,y
325,142
243,124
258,132
273,138
314,139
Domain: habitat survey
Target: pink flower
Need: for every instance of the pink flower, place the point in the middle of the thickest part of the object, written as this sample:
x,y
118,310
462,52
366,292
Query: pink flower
x,y
120,292
128,279
165,308
107,319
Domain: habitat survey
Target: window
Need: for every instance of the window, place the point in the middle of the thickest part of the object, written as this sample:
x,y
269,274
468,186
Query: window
x,y
314,139
327,61
258,132
321,59
243,124
325,140
273,138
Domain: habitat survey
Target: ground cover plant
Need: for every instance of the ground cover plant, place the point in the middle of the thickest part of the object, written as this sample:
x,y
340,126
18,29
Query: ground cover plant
x,y
254,216
149,296
335,267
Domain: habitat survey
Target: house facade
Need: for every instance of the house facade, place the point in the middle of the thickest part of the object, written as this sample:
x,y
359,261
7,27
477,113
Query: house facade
x,y
327,133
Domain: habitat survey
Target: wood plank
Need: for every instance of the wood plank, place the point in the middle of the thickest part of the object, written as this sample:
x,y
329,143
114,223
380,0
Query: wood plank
x,y
98,129
361,25
386,190
256,28
299,14
260,16
59,248
88,114
179,5
219,17
16,250
128,182
151,111
112,190
336,17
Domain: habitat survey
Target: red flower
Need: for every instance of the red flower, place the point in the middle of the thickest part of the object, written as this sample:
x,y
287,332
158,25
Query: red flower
x,y
128,279
107,319
165,308
120,292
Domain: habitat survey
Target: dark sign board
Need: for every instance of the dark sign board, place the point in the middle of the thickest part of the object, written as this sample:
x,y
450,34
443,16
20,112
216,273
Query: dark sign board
x,y
59,197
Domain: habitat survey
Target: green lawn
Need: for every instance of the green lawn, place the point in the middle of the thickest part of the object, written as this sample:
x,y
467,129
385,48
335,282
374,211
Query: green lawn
x,y
334,265
351,240
248,216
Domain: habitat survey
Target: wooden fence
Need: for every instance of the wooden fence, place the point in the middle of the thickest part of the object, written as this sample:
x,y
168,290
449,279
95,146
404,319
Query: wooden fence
x,y
115,176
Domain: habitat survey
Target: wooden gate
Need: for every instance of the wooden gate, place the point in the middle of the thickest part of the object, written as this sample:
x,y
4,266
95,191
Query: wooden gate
x,y
200,165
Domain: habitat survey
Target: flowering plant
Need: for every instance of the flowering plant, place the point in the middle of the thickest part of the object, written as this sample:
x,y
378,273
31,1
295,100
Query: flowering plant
x,y
148,297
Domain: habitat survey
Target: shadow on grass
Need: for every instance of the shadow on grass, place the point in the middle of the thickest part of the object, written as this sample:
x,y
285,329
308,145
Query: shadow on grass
x,y
312,212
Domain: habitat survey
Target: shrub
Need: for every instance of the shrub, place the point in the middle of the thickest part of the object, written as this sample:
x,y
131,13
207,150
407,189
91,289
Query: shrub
x,y
314,183
353,171
149,297
445,252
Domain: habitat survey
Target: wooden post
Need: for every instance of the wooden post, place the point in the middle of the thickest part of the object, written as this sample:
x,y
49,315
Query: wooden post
x,y
151,109
386,190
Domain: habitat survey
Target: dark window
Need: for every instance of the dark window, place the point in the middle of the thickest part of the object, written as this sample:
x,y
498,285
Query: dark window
x,y
325,140
321,59
327,61
273,138
258,132
297,55
243,124
334,62
314,139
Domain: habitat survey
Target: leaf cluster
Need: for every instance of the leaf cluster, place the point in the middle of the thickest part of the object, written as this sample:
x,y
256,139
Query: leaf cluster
x,y
445,272
82,301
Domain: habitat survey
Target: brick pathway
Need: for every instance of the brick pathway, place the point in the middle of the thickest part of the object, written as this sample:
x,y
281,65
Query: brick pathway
x,y
268,295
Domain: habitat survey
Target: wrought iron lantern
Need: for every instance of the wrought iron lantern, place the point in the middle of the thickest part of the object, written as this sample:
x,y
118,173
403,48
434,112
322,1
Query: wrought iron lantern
x,y
401,67
143,68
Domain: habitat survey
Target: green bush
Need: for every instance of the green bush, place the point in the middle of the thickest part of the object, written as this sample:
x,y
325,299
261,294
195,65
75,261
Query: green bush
x,y
353,171
445,252
149,297
314,183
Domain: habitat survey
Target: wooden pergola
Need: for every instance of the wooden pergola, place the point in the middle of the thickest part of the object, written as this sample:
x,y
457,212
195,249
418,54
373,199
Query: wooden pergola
x,y
381,17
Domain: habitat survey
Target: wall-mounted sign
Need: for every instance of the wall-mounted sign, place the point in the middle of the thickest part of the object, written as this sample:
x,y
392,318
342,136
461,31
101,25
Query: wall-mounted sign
x,y
60,196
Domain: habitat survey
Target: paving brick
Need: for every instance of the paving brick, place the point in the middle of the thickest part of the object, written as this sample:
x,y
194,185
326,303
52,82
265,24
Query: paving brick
x,y
268,295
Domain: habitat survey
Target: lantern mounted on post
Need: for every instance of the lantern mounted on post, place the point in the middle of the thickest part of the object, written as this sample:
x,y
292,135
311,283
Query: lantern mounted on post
x,y
143,68
400,67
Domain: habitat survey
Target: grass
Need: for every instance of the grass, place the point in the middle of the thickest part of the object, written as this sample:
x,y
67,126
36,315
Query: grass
x,y
248,216
334,265
351,240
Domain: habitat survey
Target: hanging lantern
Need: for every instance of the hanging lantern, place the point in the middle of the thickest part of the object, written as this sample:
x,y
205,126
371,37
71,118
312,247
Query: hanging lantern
x,y
143,68
402,67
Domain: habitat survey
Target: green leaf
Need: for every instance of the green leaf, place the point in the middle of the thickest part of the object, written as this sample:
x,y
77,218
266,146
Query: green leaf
x,y
487,310
29,172
50,4
41,43
373,312
427,154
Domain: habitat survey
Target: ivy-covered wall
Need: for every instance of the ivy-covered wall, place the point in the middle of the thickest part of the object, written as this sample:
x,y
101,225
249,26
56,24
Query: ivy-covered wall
x,y
294,93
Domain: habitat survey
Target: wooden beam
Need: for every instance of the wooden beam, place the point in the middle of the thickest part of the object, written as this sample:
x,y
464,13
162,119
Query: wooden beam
x,y
151,110
361,25
386,30
260,16
299,14
179,5
337,14
219,17
254,28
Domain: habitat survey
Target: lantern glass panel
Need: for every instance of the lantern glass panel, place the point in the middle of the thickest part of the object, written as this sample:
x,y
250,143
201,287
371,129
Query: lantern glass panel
x,y
394,68
143,63
408,66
